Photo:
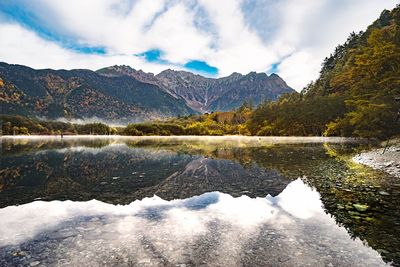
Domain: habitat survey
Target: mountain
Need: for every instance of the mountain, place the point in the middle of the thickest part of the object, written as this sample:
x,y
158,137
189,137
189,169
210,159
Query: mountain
x,y
207,94
122,94
83,94
204,174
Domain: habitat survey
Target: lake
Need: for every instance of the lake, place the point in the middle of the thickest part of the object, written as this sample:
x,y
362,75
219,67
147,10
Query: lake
x,y
194,201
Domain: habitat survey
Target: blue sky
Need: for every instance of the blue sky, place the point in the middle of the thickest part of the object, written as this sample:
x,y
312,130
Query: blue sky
x,y
197,66
212,38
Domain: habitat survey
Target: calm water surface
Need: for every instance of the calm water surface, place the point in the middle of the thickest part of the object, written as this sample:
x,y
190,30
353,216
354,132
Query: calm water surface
x,y
209,201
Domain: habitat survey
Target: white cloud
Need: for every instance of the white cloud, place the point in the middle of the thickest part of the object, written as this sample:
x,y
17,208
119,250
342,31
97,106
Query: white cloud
x,y
174,32
237,48
300,68
25,47
314,28
225,33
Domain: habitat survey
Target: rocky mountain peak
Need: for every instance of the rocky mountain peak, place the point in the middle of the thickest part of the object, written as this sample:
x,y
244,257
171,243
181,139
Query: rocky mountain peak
x,y
202,94
122,92
124,70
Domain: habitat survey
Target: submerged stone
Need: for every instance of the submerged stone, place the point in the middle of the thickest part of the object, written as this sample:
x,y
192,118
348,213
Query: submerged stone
x,y
383,193
369,219
360,207
340,207
382,251
353,213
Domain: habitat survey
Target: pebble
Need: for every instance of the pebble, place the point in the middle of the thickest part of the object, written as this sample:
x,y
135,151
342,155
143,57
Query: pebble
x,y
340,207
360,207
388,164
34,263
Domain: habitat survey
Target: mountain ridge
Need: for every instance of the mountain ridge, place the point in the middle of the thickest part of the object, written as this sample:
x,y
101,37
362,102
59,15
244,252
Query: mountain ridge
x,y
123,94
205,94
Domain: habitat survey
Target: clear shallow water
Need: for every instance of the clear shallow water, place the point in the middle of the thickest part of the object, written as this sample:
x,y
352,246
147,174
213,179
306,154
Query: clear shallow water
x,y
206,201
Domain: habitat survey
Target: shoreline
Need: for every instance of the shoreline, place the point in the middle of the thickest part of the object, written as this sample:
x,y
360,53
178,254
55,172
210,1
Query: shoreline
x,y
388,162
295,139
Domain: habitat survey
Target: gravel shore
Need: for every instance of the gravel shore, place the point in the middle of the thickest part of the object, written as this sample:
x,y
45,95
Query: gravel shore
x,y
388,162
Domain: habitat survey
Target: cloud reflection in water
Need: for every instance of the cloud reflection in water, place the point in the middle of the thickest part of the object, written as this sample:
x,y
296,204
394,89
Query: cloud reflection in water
x,y
214,229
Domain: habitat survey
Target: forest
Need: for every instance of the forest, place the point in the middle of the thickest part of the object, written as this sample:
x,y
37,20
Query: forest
x,y
354,95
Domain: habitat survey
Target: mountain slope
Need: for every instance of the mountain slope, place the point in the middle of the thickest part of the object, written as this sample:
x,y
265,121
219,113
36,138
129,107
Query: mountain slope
x,y
83,94
260,87
122,94
207,94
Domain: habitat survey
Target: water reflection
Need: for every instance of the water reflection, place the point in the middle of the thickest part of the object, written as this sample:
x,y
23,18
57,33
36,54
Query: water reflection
x,y
215,229
239,172
119,173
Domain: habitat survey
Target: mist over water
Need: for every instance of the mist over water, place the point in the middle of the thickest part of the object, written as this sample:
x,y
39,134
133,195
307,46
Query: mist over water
x,y
186,201
94,120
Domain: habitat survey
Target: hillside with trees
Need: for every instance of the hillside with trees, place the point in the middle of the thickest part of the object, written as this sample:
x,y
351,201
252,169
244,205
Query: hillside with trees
x,y
354,95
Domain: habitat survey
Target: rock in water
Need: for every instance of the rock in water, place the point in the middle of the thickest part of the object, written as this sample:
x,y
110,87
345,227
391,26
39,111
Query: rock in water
x,y
360,207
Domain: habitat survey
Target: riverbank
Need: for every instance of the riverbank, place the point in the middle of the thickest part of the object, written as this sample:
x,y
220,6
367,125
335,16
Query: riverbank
x,y
388,161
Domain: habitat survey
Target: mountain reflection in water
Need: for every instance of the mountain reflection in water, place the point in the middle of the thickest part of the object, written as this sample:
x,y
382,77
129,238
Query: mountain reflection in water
x,y
120,173
211,201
